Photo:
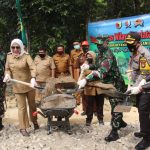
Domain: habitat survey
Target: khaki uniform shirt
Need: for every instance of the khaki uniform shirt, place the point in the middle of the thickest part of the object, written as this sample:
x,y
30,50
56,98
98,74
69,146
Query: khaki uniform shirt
x,y
21,68
74,57
62,63
44,67
90,90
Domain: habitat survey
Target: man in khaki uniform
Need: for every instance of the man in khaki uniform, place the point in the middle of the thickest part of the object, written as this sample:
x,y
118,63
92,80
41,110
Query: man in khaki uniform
x,y
75,53
45,69
62,62
20,66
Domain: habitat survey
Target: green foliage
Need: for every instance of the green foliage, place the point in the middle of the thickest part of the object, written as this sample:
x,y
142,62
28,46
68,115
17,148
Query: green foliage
x,y
53,22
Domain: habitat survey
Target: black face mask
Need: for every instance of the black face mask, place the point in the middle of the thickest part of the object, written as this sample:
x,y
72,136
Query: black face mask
x,y
42,55
60,52
89,60
132,48
100,47
85,49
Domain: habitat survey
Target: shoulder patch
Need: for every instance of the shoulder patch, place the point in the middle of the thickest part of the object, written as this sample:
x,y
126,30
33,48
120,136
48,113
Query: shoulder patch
x,y
9,53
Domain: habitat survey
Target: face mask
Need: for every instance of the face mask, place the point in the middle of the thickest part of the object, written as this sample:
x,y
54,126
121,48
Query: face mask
x,y
77,47
60,52
132,48
100,47
89,60
85,49
42,55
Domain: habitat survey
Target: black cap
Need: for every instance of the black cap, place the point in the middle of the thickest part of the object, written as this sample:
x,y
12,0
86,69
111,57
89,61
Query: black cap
x,y
132,37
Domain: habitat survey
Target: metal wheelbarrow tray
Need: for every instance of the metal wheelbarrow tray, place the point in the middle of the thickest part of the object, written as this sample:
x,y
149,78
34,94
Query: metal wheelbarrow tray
x,y
60,106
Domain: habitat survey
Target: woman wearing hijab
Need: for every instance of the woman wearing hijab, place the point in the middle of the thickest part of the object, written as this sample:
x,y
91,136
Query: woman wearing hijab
x,y
19,65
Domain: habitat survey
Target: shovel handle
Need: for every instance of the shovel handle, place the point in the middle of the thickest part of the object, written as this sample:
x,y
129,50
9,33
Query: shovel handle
x,y
27,84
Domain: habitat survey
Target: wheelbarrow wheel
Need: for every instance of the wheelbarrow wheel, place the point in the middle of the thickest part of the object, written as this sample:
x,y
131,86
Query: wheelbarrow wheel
x,y
69,132
49,132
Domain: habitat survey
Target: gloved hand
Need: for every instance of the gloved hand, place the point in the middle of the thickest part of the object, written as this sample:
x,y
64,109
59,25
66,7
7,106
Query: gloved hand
x,y
93,74
33,82
143,81
85,67
7,78
135,90
82,83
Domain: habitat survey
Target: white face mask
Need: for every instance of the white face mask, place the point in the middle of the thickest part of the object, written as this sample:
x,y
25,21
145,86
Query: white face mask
x,y
77,47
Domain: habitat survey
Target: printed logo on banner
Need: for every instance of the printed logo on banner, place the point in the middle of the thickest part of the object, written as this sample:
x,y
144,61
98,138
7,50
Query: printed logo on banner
x,y
117,29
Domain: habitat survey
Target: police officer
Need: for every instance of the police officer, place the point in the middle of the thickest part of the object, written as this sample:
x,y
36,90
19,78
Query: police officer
x,y
106,70
140,66
20,66
45,69
3,85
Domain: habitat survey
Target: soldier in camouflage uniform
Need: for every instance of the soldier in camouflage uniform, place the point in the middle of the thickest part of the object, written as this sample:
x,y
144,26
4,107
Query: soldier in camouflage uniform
x,y
3,85
106,70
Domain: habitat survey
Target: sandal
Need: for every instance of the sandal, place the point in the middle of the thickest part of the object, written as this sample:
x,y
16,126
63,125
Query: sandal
x,y
24,132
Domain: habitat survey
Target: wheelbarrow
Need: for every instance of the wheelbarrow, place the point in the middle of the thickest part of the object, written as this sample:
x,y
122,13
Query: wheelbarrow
x,y
58,108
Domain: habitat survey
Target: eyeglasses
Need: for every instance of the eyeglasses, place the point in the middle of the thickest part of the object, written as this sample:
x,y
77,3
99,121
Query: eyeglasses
x,y
17,47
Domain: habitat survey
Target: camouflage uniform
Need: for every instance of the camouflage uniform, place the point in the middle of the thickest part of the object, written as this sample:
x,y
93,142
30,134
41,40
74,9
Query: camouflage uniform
x,y
3,85
106,65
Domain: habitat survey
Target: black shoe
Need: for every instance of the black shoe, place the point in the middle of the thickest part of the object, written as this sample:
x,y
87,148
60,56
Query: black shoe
x,y
101,122
83,113
88,124
138,134
113,136
143,144
123,124
1,127
36,126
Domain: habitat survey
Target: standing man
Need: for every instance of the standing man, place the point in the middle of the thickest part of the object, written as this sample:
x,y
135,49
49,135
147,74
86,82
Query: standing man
x,y
75,53
3,85
106,70
45,69
62,62
140,64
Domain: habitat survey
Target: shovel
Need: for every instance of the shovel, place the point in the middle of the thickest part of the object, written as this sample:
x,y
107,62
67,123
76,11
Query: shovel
x,y
26,83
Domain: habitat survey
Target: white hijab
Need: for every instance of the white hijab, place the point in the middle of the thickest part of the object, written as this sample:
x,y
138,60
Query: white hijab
x,y
19,42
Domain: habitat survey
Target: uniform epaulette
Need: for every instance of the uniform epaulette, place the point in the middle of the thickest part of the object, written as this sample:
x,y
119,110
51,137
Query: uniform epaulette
x,y
9,53
26,53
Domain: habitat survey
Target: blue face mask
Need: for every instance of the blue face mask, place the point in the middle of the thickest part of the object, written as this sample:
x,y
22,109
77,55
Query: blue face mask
x,y
77,47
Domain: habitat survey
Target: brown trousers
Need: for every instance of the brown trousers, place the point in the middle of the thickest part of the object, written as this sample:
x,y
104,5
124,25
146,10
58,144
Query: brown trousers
x,y
84,103
22,108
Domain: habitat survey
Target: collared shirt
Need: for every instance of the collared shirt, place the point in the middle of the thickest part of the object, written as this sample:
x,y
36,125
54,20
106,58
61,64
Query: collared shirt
x,y
20,68
62,63
44,67
134,64
74,57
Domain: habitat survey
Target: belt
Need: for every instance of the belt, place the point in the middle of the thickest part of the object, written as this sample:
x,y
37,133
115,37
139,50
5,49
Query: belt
x,y
146,92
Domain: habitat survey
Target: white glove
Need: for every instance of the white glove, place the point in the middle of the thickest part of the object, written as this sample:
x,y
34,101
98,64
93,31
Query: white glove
x,y
143,81
7,78
135,90
33,82
82,83
85,67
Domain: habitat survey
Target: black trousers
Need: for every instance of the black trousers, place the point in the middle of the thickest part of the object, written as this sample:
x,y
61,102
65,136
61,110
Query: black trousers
x,y
99,99
143,105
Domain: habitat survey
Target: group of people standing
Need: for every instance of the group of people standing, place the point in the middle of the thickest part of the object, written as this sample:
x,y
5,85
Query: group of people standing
x,y
84,66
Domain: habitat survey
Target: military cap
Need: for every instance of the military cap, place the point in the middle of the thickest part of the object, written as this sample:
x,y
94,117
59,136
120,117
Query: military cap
x,y
132,37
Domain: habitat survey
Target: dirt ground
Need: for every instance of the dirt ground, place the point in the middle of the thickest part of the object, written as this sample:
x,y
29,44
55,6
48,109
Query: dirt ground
x,y
83,138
